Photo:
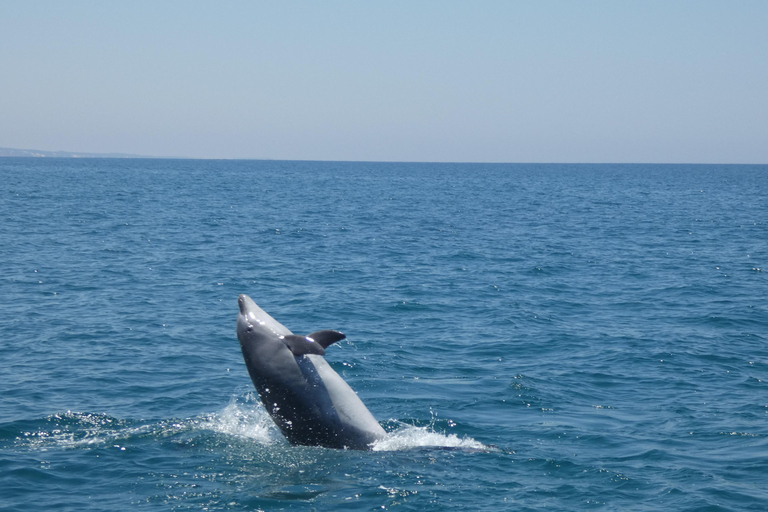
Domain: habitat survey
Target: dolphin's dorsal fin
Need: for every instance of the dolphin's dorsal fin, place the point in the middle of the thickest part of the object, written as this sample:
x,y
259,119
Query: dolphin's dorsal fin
x,y
326,337
302,345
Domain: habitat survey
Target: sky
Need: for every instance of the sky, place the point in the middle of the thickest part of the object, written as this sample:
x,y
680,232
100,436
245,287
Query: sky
x,y
594,81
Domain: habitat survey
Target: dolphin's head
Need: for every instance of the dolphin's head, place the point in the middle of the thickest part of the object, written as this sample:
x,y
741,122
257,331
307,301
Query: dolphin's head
x,y
254,323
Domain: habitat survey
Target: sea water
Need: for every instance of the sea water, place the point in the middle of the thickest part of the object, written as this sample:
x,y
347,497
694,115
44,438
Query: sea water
x,y
533,337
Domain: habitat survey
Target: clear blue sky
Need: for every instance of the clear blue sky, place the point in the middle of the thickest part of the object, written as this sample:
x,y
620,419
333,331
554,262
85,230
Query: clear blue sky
x,y
488,81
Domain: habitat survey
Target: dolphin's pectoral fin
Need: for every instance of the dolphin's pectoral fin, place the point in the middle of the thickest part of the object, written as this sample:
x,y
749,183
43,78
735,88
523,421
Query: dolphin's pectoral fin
x,y
325,338
301,345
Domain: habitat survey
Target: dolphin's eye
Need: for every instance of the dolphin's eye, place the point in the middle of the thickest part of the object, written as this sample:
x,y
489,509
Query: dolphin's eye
x,y
250,328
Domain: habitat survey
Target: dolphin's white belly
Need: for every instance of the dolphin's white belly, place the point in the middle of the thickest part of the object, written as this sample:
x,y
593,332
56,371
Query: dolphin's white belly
x,y
348,406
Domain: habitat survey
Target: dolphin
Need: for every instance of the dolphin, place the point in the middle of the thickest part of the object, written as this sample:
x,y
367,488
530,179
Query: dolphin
x,y
306,398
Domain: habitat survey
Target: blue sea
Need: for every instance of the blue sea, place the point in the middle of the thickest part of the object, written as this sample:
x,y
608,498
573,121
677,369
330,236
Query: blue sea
x,y
533,337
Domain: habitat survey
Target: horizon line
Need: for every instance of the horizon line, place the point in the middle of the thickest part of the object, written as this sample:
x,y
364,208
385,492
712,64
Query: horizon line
x,y
6,152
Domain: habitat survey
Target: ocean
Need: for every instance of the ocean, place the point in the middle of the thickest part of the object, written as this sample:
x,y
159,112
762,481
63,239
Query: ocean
x,y
532,336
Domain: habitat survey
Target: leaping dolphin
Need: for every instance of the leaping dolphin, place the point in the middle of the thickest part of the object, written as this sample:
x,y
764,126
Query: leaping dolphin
x,y
307,399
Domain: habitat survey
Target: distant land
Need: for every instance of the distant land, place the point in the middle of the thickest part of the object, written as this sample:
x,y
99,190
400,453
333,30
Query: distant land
x,y
36,153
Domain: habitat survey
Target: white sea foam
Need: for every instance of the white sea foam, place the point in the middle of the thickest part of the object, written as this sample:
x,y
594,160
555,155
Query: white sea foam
x,y
408,437
84,430
243,419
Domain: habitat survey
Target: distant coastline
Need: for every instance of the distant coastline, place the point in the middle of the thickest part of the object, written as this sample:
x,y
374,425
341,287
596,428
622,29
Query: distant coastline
x,y
36,153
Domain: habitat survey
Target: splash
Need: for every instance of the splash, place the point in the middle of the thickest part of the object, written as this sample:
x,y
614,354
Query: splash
x,y
244,417
408,437
84,430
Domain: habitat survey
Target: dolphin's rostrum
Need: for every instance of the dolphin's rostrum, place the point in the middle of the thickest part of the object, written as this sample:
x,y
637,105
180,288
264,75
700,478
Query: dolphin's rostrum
x,y
307,399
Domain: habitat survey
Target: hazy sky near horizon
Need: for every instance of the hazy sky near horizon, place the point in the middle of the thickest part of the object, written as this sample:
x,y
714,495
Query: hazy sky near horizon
x,y
681,81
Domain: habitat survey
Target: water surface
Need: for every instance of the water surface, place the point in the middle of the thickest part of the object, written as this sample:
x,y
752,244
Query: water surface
x,y
535,337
